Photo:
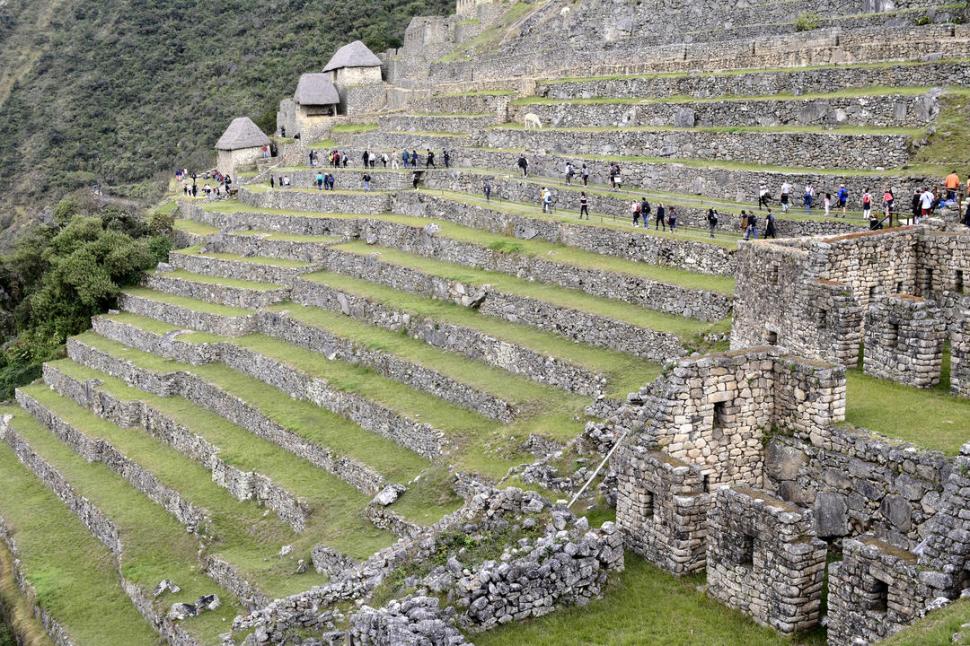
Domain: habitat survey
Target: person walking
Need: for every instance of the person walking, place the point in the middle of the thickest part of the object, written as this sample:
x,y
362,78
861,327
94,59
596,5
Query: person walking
x,y
366,181
384,159
405,157
770,231
914,207
785,196
272,183
952,185
429,160
743,221
546,200
365,158
635,211
752,230
888,205
661,219
447,157
712,218
584,172
672,217
763,196
808,199
645,209
583,205
827,203
843,197
570,173
523,165
866,205
414,158
927,200
487,189
319,180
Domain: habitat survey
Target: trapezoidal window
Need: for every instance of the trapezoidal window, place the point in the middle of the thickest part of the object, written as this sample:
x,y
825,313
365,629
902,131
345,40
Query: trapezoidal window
x,y
928,281
720,414
649,510
878,597
773,275
772,338
823,319
745,553
893,339
873,292
958,282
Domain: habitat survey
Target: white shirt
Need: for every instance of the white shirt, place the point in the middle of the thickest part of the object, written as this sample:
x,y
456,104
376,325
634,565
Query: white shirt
x,y
785,188
926,200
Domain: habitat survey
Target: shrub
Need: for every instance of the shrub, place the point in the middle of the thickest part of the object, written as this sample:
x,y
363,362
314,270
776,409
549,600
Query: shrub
x,y
807,21
923,20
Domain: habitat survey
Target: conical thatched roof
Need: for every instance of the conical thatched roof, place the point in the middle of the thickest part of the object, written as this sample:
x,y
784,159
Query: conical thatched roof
x,y
316,89
242,133
355,54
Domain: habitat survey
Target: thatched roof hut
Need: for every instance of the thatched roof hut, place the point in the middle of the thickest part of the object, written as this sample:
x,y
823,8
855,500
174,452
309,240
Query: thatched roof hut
x,y
356,54
242,133
316,89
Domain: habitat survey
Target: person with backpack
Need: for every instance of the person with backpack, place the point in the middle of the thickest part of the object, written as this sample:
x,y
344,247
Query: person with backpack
x,y
635,211
585,175
808,199
843,196
523,165
583,205
405,157
712,219
645,212
866,205
546,200
672,217
785,196
429,160
661,219
366,181
752,230
570,172
319,180
487,189
888,205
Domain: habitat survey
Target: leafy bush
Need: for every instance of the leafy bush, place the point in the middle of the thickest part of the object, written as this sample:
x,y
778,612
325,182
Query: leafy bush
x,y
60,276
807,21
923,20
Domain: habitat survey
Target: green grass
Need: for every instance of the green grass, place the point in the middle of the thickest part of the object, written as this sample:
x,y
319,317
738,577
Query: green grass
x,y
187,303
749,130
353,128
197,228
949,145
156,546
477,93
625,372
287,237
685,328
282,263
932,419
72,572
490,37
936,629
644,606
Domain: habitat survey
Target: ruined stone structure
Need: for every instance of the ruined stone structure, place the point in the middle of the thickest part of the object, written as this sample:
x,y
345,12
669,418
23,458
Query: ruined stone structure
x,y
904,337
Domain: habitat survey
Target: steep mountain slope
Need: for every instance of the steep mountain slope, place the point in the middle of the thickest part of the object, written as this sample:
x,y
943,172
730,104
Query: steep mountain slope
x,y
117,91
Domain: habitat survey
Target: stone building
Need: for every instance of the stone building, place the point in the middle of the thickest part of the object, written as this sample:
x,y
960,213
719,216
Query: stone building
x,y
314,104
814,295
241,145
357,73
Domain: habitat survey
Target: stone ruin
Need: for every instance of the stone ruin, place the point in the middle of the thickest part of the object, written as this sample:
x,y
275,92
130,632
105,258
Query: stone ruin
x,y
904,340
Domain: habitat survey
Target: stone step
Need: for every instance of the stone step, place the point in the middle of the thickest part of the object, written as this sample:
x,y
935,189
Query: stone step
x,y
455,123
188,233
54,548
201,260
412,419
770,81
875,107
543,357
186,313
230,292
147,546
771,146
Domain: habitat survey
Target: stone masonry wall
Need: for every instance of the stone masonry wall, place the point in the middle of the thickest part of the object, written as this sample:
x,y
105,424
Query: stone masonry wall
x,y
960,354
764,559
904,340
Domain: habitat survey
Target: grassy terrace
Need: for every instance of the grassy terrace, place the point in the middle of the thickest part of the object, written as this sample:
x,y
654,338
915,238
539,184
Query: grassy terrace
x,y
936,629
156,546
932,419
768,130
847,93
187,303
562,297
282,263
71,571
335,506
624,372
244,535
204,279
643,605
196,228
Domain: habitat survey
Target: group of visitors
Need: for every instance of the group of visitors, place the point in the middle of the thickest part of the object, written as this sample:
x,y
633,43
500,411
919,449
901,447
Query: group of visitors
x,y
748,225
665,216
190,184
411,159
282,182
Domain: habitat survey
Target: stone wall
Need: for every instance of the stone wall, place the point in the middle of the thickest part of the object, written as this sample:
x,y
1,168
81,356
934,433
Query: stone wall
x,y
828,149
904,340
960,354
881,111
661,508
764,559
410,622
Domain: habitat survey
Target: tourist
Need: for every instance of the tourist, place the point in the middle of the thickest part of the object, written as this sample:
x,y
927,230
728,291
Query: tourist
x,y
927,200
272,183
429,160
283,131
320,180
366,181
523,164
672,217
617,177
743,221
414,158
447,157
331,180
286,182
888,204
808,199
313,158
570,172
645,209
405,157
785,196
228,182
952,185
660,220
345,158
752,229
365,158
208,192
584,173
635,211
866,205
584,206
966,216
394,163
712,218
384,160
843,196
415,178
770,231
613,174
487,189
546,200
827,204
763,196
914,207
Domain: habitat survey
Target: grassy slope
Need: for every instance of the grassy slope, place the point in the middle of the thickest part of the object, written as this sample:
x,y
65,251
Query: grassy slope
x,y
937,629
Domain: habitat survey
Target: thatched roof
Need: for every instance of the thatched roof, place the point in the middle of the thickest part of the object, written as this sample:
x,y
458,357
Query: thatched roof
x,y
355,54
242,133
316,89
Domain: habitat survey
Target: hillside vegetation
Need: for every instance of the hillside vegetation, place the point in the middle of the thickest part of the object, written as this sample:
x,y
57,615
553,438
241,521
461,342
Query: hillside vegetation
x,y
119,91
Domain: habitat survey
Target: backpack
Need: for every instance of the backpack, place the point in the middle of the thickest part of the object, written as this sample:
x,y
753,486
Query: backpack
x,y
866,199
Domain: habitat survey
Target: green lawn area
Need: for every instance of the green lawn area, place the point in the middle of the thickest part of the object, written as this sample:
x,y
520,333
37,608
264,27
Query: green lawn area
x,y
197,228
253,260
751,130
936,629
205,279
187,303
932,419
687,329
72,572
353,128
643,606
156,546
